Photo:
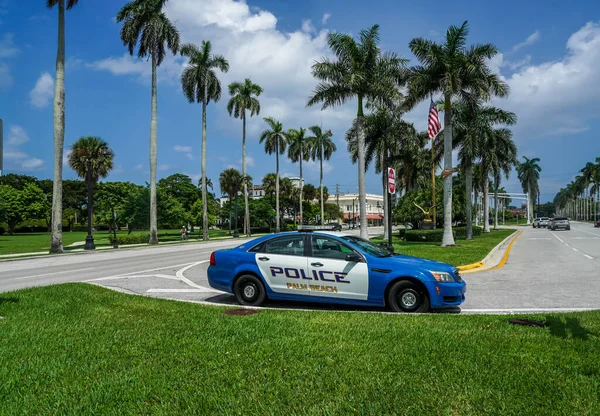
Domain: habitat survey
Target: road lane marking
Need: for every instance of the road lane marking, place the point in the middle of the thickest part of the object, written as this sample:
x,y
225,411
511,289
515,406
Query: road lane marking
x,y
574,249
558,238
585,238
589,257
539,238
184,279
121,276
587,232
525,310
52,274
203,290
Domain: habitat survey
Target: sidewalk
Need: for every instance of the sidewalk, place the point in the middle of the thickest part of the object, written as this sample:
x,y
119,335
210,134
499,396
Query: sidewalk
x,y
495,258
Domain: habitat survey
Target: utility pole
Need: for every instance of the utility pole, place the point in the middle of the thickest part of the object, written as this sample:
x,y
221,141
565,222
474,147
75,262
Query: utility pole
x,y
337,196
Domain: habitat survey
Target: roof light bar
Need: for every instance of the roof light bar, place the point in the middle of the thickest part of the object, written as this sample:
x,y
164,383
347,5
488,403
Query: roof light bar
x,y
315,227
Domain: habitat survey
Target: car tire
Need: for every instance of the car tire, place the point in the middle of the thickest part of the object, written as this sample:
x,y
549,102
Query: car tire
x,y
249,290
568,228
405,296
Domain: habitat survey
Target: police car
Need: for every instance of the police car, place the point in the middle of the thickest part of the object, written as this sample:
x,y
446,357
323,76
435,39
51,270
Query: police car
x,y
316,265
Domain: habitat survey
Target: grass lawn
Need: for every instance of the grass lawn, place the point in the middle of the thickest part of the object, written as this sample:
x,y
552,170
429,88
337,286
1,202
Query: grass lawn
x,y
34,242
465,252
81,349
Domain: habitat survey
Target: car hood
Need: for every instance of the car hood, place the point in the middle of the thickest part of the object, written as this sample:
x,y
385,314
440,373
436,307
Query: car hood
x,y
419,263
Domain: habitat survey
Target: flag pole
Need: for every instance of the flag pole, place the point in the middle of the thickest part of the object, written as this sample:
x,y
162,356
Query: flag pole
x,y
433,181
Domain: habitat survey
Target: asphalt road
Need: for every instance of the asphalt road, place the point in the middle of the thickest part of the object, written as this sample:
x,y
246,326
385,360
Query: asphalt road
x,y
546,271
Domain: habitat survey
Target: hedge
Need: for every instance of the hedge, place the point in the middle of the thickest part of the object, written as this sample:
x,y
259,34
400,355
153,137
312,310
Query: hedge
x,y
435,236
461,232
131,238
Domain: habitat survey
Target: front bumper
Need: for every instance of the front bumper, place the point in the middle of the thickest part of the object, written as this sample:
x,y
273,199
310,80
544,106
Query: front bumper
x,y
446,295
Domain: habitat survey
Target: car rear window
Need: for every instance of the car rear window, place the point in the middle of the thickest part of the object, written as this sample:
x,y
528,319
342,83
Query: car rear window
x,y
560,219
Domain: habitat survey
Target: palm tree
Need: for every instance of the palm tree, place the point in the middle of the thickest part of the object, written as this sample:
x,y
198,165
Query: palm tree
x,y
275,141
455,71
529,176
298,150
471,122
321,147
148,28
89,147
200,84
59,125
500,155
389,141
310,192
360,71
243,98
230,181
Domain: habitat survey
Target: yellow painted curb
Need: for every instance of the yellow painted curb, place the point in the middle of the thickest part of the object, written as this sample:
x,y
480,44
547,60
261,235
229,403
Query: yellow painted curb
x,y
471,266
505,258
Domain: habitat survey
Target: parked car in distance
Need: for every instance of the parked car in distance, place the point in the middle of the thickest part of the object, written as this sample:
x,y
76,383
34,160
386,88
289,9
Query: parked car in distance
x,y
335,226
559,223
544,221
536,223
597,224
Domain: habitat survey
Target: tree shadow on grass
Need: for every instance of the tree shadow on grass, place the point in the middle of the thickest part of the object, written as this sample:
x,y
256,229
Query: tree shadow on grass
x,y
567,328
8,300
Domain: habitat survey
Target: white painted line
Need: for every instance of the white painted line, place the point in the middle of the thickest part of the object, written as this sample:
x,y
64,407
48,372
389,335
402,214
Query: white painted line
x,y
589,257
178,291
121,276
184,279
585,238
574,249
52,274
567,245
558,238
539,238
527,310
587,232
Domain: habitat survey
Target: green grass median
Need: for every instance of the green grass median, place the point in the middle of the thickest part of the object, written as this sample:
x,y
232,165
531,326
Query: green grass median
x,y
81,349
463,253
37,242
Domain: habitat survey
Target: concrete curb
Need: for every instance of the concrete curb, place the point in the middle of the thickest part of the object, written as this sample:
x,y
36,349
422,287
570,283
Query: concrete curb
x,y
491,261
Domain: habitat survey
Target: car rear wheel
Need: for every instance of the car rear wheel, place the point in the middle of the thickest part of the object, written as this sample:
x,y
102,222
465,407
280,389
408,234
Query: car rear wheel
x,y
405,296
249,290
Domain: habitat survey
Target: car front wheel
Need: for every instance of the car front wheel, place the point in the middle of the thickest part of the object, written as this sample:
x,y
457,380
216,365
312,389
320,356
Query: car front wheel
x,y
405,296
249,291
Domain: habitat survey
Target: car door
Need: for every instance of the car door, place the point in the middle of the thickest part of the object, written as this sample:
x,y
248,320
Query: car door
x,y
283,264
332,275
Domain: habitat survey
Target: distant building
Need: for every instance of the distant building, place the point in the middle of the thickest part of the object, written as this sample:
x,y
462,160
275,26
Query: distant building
x,y
349,205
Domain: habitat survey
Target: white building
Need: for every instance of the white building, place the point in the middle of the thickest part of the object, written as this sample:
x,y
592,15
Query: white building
x,y
349,205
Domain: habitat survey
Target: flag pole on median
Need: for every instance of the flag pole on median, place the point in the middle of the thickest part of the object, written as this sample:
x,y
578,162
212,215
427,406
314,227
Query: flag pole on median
x,y
433,128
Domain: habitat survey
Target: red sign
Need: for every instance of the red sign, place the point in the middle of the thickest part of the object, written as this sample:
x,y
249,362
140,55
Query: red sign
x,y
391,180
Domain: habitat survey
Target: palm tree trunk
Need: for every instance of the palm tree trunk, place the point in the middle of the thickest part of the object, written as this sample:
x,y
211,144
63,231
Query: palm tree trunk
x,y
301,184
476,207
362,187
322,202
247,209
204,199
469,189
497,183
277,228
59,134
486,203
448,237
153,160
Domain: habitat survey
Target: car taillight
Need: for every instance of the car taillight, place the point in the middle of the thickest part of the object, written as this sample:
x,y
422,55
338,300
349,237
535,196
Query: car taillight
x,y
212,259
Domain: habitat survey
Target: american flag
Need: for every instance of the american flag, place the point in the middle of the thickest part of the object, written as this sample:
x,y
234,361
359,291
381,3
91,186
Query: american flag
x,y
434,125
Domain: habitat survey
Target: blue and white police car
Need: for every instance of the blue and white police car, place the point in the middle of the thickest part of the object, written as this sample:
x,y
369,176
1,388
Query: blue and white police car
x,y
315,265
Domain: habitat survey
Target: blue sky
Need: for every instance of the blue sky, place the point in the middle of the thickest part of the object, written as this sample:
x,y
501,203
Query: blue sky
x,y
550,57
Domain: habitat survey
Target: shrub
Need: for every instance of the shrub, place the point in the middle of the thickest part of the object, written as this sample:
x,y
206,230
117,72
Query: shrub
x,y
461,232
402,233
131,238
290,227
2,230
430,236
80,228
260,230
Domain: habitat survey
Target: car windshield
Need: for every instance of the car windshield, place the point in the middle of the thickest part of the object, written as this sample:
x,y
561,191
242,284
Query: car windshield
x,y
367,246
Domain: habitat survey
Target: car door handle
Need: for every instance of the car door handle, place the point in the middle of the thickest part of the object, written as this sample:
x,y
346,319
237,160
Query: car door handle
x,y
263,258
317,264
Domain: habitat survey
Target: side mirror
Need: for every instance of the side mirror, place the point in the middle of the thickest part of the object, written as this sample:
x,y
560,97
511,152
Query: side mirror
x,y
387,247
353,258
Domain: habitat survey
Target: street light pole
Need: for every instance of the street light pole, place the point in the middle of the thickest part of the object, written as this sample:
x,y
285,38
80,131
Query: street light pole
x,y
115,242
89,240
236,234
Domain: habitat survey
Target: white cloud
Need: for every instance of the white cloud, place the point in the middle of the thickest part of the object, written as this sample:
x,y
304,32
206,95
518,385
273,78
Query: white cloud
x,y
65,159
325,18
15,155
7,47
558,97
518,64
314,168
531,39
118,169
17,136
184,149
6,79
165,166
43,90
32,164
249,161
169,70
139,167
308,27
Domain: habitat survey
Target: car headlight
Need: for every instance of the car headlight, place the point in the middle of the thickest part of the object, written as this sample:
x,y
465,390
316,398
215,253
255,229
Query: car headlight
x,y
443,277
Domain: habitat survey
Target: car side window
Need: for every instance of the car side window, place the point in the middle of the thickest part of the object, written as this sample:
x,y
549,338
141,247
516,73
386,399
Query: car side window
x,y
292,245
329,248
